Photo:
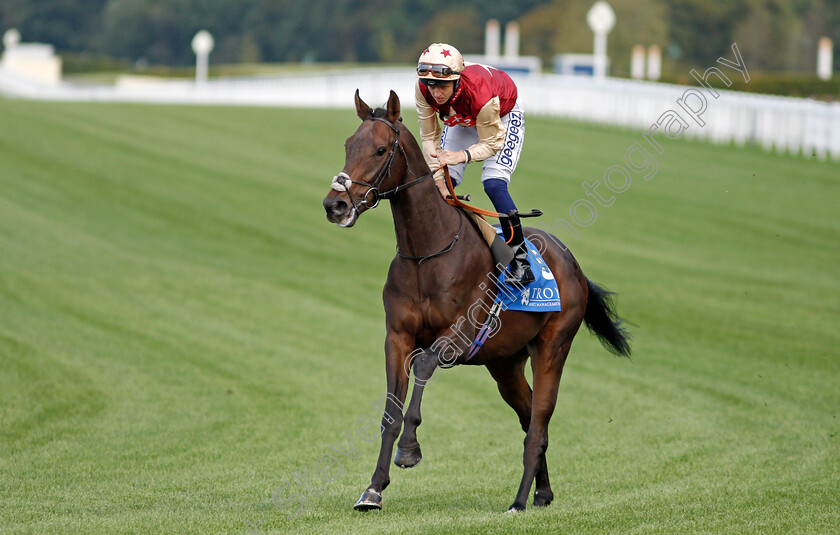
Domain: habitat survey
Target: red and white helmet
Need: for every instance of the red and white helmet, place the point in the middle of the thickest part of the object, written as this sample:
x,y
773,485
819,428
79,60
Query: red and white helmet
x,y
440,63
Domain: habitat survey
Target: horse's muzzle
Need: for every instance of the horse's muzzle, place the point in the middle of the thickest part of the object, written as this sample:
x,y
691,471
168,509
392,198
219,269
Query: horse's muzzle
x,y
339,211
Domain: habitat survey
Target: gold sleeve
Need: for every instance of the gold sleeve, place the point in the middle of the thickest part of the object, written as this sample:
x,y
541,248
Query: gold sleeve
x,y
430,130
491,131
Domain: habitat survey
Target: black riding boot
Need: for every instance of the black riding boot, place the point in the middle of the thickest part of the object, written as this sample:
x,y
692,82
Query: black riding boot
x,y
519,271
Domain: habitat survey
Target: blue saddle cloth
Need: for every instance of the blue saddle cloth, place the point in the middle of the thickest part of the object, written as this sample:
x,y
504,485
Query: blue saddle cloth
x,y
542,295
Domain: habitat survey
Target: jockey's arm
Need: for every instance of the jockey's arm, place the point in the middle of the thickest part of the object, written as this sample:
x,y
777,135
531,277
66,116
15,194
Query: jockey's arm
x,y
491,131
430,131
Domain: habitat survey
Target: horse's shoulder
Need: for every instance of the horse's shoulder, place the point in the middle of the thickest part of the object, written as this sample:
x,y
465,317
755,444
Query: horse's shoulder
x,y
401,284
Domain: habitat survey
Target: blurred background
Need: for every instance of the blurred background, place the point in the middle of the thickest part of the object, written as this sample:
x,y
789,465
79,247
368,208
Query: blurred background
x,y
780,37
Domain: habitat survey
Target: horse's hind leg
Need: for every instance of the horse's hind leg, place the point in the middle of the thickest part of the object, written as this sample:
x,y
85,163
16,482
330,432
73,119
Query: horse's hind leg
x,y
513,386
408,449
547,362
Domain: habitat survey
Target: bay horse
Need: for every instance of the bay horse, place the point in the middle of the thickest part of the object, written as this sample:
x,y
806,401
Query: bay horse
x,y
437,279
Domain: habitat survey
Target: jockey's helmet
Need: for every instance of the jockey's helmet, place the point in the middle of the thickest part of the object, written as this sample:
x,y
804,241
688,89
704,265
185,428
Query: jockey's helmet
x,y
439,63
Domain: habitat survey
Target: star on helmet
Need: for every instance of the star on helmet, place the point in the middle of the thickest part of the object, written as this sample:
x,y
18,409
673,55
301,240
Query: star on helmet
x,y
440,62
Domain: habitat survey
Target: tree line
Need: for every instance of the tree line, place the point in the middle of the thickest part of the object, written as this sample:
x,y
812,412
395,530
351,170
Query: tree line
x,y
773,35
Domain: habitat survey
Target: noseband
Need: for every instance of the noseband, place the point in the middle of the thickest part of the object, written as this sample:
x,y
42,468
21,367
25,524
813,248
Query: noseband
x,y
342,181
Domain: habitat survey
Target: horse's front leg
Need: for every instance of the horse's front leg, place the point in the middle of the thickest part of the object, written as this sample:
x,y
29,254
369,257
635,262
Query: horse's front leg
x,y
408,450
398,346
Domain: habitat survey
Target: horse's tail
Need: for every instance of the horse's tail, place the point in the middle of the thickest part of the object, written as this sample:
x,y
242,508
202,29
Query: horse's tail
x,y
602,320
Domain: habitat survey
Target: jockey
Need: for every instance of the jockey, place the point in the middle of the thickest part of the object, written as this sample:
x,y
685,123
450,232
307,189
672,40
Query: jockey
x,y
482,122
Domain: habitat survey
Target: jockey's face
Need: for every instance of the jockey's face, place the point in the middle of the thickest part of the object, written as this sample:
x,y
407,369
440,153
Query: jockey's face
x,y
442,91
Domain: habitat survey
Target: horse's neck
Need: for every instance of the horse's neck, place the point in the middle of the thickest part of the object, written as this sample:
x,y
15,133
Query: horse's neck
x,y
424,223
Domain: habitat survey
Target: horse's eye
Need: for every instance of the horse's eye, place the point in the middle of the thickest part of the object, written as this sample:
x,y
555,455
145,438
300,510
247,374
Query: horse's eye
x,y
380,151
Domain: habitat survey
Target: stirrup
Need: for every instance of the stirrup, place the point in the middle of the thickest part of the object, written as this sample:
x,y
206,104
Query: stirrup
x,y
519,271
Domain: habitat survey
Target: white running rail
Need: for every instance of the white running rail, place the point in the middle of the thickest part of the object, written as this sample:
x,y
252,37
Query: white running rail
x,y
787,125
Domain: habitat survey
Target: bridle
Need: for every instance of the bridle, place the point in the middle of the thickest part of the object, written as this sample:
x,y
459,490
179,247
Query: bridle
x,y
342,181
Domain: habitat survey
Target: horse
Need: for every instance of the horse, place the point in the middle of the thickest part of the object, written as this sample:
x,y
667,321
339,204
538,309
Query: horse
x,y
436,280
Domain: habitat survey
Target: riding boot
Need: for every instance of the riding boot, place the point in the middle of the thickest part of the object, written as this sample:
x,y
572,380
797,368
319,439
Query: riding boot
x,y
519,271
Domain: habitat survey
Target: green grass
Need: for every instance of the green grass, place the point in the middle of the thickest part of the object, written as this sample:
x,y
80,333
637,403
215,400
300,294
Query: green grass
x,y
181,330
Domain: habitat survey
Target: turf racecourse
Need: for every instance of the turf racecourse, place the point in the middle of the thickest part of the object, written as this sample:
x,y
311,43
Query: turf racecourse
x,y
181,331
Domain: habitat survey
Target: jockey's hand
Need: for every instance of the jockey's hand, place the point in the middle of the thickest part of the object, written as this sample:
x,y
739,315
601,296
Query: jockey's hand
x,y
448,157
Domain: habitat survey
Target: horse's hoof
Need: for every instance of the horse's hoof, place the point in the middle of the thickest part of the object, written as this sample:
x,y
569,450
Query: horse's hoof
x,y
515,509
543,499
408,458
369,501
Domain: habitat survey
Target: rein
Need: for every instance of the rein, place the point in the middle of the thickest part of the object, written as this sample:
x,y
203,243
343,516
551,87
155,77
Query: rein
x,y
455,201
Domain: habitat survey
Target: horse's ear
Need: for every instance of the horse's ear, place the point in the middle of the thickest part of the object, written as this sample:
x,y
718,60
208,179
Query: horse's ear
x,y
362,110
393,107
